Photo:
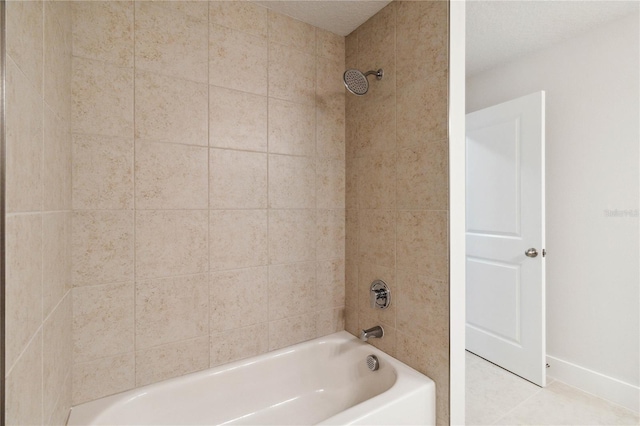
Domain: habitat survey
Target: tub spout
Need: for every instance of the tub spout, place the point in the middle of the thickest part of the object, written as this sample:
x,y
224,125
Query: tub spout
x,y
367,334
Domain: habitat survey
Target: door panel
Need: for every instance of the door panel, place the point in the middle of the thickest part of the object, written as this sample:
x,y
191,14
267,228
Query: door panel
x,y
495,284
495,171
505,217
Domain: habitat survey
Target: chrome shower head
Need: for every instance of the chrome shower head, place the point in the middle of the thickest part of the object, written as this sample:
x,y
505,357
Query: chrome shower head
x,y
356,82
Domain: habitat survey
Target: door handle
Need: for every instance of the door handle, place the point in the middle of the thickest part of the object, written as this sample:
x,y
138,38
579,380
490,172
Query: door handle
x,y
532,252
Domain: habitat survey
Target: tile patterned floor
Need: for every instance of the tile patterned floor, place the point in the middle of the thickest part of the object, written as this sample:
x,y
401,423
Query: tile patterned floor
x,y
496,397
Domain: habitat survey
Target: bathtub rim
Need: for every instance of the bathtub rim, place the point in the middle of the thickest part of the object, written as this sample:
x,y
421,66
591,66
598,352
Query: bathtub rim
x,y
408,382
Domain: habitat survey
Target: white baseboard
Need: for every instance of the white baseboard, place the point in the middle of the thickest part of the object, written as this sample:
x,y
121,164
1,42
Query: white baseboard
x,y
597,384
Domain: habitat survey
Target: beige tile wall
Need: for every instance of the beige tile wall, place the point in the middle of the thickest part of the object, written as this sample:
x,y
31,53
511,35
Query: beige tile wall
x,y
38,212
397,186
208,188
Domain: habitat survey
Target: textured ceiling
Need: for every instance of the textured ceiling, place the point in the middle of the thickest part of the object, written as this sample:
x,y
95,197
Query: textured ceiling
x,y
497,31
500,31
339,17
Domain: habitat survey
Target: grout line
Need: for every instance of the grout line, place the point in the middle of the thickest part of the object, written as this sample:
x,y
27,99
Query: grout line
x,y
209,183
269,209
42,189
135,203
517,406
10,369
395,154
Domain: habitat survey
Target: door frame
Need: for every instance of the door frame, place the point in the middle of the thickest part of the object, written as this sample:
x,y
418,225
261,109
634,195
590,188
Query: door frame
x,y
457,209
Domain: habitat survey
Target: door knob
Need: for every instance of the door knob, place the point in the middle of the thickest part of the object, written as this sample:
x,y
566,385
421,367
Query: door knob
x,y
531,252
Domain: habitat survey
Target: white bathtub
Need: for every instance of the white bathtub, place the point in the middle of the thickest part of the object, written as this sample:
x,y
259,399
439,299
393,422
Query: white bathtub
x,y
322,381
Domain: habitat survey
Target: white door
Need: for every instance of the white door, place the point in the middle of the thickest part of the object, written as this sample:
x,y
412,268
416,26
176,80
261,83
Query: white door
x,y
505,218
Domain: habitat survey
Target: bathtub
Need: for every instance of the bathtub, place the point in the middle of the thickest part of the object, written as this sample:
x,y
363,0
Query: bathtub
x,y
322,381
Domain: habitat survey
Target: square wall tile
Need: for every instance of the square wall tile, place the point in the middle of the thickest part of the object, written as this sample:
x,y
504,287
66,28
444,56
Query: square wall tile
x,y
351,323
422,38
431,361
422,243
330,130
292,128
171,309
376,42
237,60
351,234
103,30
376,237
330,234
238,238
102,174
330,277
24,143
291,74
423,176
423,308
57,58
23,387
374,125
292,330
351,285
171,360
102,247
291,32
171,243
237,120
103,321
103,377
351,184
351,45
56,258
238,344
377,181
56,174
238,298
330,183
330,45
171,38
330,88
23,297
292,236
164,172
24,38
170,109
247,17
57,353
422,114
329,321
61,410
238,179
102,98
292,182
292,290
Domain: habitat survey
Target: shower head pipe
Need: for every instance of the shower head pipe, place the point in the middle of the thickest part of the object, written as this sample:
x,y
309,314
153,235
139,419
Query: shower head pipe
x,y
356,81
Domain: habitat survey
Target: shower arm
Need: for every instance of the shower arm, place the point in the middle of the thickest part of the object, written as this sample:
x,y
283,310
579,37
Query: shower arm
x,y
379,73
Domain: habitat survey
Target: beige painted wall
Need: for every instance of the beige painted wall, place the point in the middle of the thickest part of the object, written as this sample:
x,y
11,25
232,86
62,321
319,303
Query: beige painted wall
x,y
38,212
208,188
397,186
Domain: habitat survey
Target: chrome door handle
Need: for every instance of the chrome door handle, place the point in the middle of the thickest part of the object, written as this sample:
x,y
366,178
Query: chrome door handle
x,y
531,252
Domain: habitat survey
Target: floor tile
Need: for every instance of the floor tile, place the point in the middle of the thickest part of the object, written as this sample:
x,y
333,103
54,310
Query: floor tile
x,y
495,396
492,392
560,404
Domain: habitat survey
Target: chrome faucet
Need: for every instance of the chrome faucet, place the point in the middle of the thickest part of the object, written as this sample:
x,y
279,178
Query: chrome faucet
x,y
369,333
